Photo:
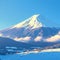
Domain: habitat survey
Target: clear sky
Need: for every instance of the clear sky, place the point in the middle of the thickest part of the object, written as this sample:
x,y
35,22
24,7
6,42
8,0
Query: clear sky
x,y
14,11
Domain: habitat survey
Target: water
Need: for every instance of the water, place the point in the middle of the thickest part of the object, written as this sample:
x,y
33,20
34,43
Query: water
x,y
38,56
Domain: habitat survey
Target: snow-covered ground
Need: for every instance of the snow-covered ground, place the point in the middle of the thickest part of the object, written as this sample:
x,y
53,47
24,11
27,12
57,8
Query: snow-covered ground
x,y
38,51
51,50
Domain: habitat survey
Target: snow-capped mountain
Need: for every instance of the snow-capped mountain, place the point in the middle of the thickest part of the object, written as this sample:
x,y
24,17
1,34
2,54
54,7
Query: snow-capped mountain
x,y
31,30
31,22
29,35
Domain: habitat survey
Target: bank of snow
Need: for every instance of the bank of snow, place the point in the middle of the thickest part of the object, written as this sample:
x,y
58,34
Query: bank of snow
x,y
39,51
51,50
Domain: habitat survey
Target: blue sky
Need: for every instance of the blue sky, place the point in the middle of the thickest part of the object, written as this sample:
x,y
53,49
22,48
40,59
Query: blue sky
x,y
15,11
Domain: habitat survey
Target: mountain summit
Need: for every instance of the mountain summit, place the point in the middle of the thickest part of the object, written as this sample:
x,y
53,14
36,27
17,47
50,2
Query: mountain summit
x,y
31,22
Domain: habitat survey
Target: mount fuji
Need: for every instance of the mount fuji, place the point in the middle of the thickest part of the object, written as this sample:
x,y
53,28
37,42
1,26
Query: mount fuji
x,y
29,35
31,30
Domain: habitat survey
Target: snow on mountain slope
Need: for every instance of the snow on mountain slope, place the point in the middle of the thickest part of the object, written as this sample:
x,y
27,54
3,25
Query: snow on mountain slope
x,y
30,22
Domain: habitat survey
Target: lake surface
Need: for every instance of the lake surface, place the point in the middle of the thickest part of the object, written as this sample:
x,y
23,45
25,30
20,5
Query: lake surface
x,y
38,56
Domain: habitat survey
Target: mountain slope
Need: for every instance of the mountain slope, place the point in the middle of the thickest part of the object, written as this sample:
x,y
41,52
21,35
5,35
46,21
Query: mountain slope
x,y
6,42
32,30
